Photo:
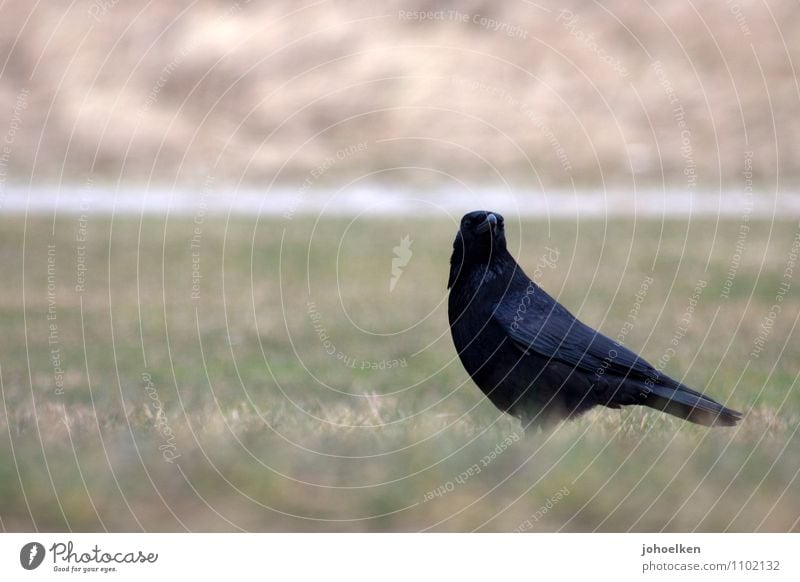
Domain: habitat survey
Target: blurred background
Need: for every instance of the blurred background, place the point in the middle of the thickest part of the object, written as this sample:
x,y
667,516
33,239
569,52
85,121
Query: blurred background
x,y
225,235
542,93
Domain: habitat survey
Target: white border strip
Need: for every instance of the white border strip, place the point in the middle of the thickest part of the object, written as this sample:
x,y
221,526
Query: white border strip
x,y
404,557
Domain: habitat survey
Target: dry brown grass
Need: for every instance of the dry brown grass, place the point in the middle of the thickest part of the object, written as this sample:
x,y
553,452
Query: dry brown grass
x,y
260,91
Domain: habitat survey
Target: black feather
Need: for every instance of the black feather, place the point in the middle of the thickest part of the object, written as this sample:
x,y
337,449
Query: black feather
x,y
532,357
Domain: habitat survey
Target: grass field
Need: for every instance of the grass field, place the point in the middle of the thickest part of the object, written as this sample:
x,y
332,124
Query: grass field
x,y
171,374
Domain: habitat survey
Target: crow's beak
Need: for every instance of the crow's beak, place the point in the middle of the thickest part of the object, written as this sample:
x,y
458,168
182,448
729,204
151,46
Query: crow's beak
x,y
490,222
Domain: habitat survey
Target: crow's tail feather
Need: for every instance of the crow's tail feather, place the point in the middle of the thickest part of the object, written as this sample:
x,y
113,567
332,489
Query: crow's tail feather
x,y
684,402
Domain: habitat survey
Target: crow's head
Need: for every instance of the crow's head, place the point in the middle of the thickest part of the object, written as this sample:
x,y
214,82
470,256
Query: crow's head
x,y
481,232
481,237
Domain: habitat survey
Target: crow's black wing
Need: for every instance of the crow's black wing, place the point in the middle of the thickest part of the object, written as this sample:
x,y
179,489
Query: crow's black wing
x,y
542,325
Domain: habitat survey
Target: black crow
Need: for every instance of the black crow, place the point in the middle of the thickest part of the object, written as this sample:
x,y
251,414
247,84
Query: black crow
x,y
532,358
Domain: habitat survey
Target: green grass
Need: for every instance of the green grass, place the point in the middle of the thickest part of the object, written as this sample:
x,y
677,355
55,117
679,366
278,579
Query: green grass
x,y
273,433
